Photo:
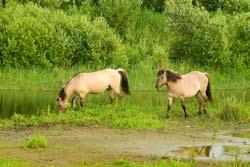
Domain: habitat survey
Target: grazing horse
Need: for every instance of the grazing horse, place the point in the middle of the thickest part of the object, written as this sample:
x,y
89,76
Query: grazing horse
x,y
115,81
183,86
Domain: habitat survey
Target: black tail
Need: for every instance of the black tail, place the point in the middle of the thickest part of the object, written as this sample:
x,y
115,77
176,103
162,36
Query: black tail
x,y
208,90
124,82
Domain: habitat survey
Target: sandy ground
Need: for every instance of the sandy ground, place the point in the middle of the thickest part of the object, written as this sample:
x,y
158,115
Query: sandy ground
x,y
74,145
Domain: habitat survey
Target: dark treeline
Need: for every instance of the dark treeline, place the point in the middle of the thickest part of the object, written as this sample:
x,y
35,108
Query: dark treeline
x,y
47,33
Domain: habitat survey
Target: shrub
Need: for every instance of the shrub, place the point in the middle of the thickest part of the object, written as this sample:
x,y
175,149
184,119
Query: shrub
x,y
37,141
208,40
239,29
156,5
147,37
228,6
33,36
119,13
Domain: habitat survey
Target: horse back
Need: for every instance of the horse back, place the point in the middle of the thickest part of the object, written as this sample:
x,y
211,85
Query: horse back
x,y
95,82
189,84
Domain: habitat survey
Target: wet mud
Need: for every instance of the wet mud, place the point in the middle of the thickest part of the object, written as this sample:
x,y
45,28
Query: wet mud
x,y
74,145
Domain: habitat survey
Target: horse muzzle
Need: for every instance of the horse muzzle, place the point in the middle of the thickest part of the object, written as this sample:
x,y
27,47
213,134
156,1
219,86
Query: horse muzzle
x,y
157,87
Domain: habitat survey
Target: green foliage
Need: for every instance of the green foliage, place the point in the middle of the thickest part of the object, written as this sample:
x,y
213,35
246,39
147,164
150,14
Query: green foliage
x,y
149,30
160,163
155,5
107,33
207,40
234,6
119,13
37,141
234,111
6,162
227,6
32,36
239,29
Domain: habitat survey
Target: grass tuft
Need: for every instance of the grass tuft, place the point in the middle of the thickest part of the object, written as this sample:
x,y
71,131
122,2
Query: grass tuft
x,y
37,141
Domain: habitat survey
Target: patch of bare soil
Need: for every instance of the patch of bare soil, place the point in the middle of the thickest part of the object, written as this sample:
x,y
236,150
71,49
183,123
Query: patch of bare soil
x,y
73,145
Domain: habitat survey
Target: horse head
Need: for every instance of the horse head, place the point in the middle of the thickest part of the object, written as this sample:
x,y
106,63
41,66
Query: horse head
x,y
161,79
61,102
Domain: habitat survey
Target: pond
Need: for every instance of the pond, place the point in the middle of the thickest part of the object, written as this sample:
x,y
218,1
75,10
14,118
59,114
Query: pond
x,y
214,152
36,102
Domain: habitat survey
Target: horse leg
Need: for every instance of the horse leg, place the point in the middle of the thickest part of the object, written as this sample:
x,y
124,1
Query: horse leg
x,y
82,99
200,101
183,106
205,98
73,100
112,96
170,102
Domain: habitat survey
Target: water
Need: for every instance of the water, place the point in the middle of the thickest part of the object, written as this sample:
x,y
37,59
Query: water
x,y
26,102
215,152
36,102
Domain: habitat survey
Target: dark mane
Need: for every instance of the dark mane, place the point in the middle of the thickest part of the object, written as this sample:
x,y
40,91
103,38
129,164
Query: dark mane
x,y
62,94
160,72
171,76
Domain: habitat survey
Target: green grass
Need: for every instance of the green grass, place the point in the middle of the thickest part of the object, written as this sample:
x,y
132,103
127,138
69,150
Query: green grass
x,y
7,162
141,110
128,115
37,141
166,163
125,163
141,77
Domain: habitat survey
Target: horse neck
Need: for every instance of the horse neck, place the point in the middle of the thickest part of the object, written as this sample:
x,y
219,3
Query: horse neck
x,y
68,90
171,85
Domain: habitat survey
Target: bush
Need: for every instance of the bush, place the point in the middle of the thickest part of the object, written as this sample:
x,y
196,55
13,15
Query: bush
x,y
119,13
228,6
147,37
206,39
239,29
33,36
156,5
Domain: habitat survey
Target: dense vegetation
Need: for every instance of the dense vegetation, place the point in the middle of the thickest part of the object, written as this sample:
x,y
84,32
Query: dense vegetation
x,y
107,33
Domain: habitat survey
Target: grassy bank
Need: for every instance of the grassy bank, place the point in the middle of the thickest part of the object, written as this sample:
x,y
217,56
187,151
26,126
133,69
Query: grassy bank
x,y
140,110
124,163
128,115
141,77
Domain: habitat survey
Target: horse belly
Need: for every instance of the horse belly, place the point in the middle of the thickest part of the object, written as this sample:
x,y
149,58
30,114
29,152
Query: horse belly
x,y
97,86
189,88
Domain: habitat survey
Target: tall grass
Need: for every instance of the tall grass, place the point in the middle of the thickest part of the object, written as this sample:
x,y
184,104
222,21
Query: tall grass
x,y
141,77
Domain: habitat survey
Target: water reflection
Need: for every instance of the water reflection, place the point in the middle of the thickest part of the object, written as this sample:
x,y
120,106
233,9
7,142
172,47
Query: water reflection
x,y
35,102
25,102
220,152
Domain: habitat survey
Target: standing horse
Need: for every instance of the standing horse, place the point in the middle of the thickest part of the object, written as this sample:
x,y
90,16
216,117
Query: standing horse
x,y
183,86
115,81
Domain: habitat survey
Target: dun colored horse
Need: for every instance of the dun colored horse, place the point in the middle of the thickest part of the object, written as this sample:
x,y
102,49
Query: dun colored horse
x,y
115,81
183,86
